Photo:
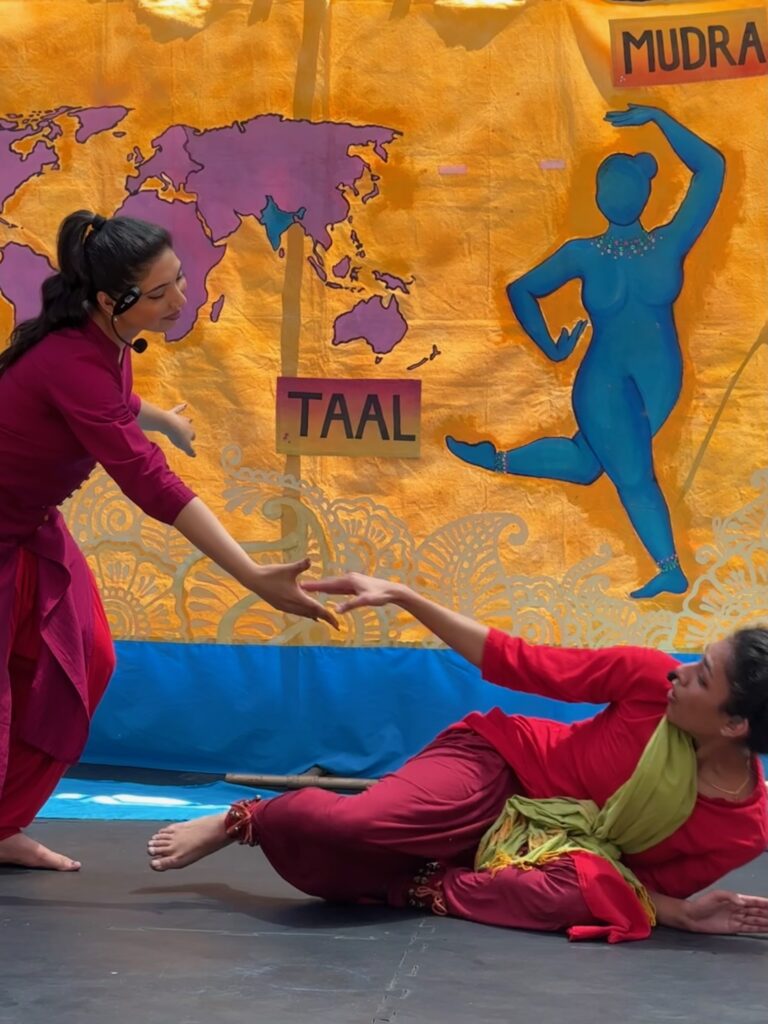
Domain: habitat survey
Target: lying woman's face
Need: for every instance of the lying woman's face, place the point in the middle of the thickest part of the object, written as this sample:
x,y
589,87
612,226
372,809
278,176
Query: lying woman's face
x,y
700,691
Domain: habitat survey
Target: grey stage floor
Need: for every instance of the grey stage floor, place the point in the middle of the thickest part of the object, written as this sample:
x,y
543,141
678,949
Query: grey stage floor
x,y
226,941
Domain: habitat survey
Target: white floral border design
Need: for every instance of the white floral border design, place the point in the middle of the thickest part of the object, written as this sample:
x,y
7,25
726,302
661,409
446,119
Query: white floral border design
x,y
155,586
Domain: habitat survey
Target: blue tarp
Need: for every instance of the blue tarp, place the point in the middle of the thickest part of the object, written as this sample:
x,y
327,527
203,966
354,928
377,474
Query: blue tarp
x,y
353,711
117,800
279,710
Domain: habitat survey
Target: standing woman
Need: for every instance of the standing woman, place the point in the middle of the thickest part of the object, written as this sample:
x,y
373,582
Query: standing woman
x,y
66,403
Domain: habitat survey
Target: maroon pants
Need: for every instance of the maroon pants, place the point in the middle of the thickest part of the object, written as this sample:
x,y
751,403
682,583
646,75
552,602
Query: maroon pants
x,y
32,774
371,847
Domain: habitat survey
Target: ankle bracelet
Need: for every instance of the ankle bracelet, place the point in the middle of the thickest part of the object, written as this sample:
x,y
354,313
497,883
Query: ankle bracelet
x,y
669,563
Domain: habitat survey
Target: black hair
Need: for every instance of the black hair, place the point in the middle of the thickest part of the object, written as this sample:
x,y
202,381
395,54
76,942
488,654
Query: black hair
x,y
94,255
748,677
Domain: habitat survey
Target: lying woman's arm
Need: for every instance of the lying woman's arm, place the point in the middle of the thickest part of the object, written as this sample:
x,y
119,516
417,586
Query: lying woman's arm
x,y
719,912
600,676
463,634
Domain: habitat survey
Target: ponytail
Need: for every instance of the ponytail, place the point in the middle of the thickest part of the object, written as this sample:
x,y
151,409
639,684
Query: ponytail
x,y
64,293
94,255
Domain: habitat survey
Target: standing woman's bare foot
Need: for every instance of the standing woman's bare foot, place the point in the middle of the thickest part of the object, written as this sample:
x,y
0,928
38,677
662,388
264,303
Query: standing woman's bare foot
x,y
176,846
28,853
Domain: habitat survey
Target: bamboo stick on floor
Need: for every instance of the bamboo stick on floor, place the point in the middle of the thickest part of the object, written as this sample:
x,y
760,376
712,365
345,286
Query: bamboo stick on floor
x,y
311,779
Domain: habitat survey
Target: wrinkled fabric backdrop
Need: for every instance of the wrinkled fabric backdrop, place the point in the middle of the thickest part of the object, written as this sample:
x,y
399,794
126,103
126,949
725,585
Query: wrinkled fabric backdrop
x,y
351,187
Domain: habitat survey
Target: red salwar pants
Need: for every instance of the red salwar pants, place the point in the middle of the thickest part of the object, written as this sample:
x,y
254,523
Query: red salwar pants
x,y
32,774
375,847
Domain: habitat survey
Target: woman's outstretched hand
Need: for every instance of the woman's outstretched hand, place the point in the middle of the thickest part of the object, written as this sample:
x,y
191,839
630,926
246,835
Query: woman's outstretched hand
x,y
279,586
467,637
363,591
179,430
727,913
635,114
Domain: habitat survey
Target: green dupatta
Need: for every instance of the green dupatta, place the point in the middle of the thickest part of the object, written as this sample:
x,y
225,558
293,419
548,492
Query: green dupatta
x,y
655,801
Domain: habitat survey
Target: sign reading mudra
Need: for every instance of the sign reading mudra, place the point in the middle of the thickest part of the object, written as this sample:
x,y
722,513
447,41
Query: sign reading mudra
x,y
316,416
689,48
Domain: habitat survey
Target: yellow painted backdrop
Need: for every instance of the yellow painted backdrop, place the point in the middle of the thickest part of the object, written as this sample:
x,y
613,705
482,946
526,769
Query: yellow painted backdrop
x,y
502,121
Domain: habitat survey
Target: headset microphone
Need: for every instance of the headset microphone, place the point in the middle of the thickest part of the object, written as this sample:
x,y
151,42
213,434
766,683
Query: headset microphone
x,y
128,299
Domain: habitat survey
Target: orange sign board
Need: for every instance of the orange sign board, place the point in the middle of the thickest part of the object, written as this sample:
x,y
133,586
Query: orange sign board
x,y
689,48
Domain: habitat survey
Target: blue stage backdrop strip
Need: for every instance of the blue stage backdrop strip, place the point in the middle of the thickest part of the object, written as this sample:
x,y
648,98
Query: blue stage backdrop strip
x,y
239,708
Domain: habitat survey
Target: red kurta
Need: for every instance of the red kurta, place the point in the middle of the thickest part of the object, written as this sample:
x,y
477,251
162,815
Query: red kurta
x,y
64,406
592,758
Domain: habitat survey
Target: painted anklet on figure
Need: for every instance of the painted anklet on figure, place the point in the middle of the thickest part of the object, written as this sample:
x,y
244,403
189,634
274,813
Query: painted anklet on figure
x,y
669,563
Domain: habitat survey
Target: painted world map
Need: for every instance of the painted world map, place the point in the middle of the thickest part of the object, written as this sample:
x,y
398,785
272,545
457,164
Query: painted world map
x,y
202,184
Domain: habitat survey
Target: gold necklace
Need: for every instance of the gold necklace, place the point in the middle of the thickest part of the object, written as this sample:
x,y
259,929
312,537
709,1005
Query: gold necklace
x,y
732,792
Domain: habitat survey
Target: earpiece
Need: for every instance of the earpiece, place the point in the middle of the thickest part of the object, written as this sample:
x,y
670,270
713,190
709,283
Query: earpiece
x,y
128,299
124,303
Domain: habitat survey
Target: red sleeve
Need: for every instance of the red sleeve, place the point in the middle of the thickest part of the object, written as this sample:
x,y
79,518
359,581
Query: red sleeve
x,y
134,404
602,676
686,875
718,838
88,394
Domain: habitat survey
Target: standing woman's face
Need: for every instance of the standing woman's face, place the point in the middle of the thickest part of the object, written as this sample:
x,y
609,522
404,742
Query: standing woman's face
x,y
163,287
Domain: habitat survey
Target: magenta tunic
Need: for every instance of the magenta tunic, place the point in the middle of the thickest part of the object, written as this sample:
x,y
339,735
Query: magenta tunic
x,y
64,406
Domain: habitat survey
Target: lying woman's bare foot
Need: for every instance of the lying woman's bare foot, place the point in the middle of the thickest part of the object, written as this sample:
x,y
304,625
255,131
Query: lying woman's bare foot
x,y
28,853
176,846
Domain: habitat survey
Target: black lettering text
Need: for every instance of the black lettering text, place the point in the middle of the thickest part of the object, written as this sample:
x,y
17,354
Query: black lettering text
x,y
332,415
306,397
372,413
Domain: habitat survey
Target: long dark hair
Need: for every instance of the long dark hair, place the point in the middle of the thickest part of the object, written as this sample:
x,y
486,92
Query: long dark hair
x,y
748,676
94,255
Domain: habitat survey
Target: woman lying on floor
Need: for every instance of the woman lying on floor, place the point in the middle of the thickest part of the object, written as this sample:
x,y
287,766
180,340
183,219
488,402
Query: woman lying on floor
x,y
601,828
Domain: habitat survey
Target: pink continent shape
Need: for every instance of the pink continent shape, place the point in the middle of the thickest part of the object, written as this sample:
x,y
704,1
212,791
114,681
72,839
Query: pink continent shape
x,y
232,170
22,272
391,282
191,244
94,120
171,160
342,267
15,169
382,327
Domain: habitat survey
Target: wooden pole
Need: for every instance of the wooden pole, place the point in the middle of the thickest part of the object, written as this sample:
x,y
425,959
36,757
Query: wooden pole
x,y
310,779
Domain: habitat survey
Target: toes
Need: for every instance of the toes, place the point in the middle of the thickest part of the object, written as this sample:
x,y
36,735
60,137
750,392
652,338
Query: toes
x,y
61,863
162,844
164,833
28,853
160,851
162,863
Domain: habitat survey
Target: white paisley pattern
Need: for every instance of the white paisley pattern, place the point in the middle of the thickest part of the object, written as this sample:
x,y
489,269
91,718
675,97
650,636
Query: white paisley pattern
x,y
156,586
